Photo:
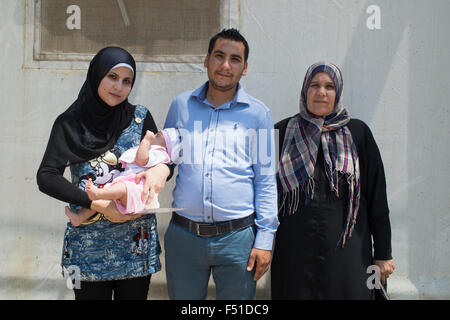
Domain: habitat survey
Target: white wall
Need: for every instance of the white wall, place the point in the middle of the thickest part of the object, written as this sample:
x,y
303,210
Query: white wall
x,y
395,80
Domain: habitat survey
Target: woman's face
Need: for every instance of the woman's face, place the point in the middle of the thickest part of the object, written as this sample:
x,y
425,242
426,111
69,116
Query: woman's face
x,y
321,95
116,86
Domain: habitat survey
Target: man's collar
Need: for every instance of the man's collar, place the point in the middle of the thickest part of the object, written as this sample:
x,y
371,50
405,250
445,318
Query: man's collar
x,y
240,97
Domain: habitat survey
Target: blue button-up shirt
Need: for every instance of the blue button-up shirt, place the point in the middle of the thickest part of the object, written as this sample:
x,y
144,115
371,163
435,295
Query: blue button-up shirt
x,y
227,166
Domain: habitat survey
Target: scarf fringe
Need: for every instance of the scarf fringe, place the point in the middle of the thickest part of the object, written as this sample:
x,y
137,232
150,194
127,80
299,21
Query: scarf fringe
x,y
353,210
333,179
289,200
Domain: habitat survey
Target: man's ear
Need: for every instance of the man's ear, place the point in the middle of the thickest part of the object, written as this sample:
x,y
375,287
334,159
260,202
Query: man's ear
x,y
205,63
244,72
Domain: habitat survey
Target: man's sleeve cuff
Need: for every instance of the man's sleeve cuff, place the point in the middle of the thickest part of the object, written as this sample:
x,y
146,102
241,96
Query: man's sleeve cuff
x,y
264,240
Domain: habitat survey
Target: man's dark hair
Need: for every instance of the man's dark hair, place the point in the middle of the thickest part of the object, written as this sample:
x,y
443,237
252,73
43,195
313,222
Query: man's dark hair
x,y
231,34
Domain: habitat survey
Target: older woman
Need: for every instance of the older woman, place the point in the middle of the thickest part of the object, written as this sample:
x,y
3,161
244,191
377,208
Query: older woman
x,y
332,195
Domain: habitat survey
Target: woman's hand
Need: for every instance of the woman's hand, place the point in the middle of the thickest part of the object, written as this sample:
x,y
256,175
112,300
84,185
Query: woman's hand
x,y
109,210
155,180
386,268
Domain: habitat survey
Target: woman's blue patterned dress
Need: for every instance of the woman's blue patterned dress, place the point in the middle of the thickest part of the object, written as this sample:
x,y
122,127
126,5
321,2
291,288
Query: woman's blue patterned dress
x,y
104,250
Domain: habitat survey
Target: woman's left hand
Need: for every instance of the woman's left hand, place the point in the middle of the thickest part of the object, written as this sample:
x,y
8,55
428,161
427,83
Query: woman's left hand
x,y
155,180
386,268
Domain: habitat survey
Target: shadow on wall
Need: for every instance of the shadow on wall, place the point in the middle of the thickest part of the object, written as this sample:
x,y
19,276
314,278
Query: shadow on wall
x,y
417,30
367,64
377,46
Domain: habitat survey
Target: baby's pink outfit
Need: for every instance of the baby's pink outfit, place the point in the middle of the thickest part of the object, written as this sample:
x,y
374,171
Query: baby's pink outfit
x,y
157,154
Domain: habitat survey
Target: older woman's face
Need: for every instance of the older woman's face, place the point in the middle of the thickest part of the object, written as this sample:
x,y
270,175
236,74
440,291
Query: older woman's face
x,y
116,86
321,95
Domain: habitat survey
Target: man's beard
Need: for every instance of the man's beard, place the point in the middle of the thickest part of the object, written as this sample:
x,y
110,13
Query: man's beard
x,y
222,88
225,88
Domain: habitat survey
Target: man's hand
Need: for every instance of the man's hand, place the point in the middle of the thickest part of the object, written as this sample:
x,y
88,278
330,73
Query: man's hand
x,y
262,259
155,180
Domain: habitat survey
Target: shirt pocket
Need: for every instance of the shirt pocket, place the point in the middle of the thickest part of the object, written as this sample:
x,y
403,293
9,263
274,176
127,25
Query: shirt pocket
x,y
234,142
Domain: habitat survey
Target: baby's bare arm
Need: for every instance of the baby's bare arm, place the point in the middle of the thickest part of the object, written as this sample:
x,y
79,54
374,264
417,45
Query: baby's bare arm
x,y
149,139
144,146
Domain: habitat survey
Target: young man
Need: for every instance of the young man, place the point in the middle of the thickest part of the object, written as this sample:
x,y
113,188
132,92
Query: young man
x,y
226,182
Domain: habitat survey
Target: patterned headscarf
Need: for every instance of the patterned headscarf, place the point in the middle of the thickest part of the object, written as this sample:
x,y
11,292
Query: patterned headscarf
x,y
304,134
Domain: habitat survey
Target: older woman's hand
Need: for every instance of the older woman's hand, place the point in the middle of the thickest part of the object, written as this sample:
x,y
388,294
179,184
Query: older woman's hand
x,y
155,180
386,268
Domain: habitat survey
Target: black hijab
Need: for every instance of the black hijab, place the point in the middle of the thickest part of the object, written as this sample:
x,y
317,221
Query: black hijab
x,y
89,127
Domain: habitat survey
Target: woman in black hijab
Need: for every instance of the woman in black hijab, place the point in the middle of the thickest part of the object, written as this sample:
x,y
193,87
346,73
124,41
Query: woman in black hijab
x,y
113,252
333,209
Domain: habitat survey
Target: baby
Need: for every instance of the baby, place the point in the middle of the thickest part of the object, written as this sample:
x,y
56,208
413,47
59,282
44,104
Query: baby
x,y
123,190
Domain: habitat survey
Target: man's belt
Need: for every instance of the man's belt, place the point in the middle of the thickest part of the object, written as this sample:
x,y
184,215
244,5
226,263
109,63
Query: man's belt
x,y
212,229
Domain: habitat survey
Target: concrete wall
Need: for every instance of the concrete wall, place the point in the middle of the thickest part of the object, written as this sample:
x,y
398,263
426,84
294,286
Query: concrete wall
x,y
396,80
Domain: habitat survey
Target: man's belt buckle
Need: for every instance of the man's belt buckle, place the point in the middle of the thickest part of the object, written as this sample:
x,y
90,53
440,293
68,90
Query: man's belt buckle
x,y
198,232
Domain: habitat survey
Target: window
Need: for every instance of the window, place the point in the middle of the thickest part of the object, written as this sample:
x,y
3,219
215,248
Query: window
x,y
152,30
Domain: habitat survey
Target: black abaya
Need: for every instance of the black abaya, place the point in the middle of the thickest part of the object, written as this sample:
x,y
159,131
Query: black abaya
x,y
306,262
